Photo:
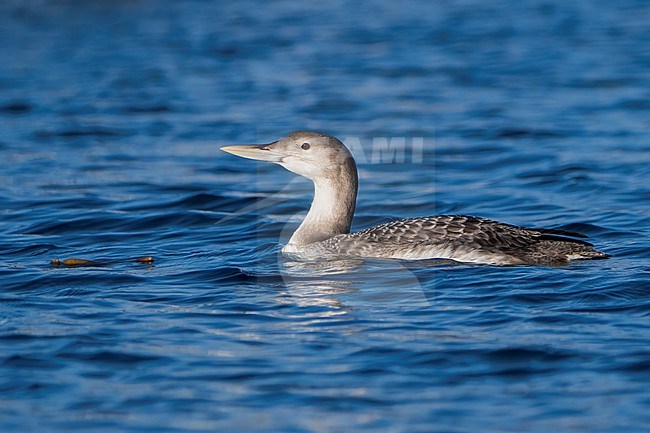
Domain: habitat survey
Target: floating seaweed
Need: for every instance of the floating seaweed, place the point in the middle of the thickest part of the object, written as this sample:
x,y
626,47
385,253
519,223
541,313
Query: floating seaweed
x,y
74,262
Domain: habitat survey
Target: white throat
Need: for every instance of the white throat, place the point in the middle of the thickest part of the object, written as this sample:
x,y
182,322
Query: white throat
x,y
331,211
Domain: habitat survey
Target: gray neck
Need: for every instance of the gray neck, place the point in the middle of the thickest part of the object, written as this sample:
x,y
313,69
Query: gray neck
x,y
332,209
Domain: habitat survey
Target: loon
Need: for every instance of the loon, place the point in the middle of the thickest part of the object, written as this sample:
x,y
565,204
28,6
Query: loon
x,y
325,231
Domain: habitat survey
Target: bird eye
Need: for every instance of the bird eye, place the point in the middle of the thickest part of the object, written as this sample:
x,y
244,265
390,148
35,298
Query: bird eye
x,y
305,146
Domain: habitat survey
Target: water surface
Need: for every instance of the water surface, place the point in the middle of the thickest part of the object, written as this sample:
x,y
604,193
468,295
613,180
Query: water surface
x,y
111,116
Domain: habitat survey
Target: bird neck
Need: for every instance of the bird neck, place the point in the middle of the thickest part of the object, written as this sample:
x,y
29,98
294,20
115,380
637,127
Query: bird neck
x,y
332,209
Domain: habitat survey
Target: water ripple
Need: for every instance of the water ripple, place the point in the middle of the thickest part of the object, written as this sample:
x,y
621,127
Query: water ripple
x,y
112,115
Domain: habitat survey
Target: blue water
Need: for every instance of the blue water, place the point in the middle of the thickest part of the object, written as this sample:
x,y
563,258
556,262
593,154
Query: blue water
x,y
535,113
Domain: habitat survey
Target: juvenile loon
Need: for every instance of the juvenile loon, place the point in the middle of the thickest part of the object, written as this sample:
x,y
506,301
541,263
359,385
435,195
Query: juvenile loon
x,y
325,231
